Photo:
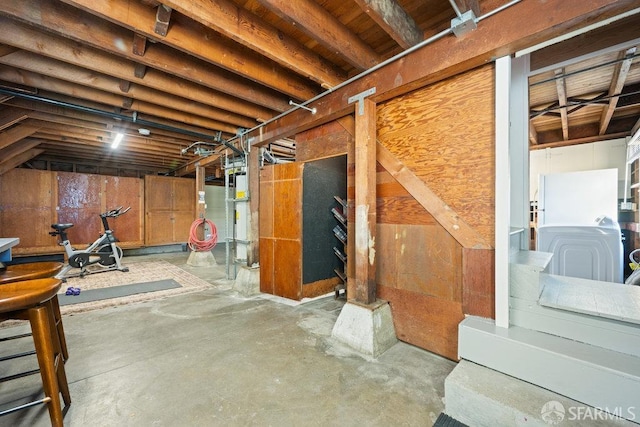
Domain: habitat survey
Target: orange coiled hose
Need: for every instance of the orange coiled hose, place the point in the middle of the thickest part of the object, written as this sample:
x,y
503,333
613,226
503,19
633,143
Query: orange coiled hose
x,y
202,245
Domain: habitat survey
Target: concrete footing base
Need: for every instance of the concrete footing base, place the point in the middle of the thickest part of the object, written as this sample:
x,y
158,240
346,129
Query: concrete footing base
x,y
247,281
201,259
366,328
479,396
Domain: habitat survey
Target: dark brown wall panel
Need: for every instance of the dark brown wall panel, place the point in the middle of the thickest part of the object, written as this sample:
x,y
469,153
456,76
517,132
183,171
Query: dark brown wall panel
x,y
266,265
287,263
478,297
424,321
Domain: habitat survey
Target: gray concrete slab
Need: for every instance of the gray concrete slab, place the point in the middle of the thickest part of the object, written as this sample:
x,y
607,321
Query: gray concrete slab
x,y
216,358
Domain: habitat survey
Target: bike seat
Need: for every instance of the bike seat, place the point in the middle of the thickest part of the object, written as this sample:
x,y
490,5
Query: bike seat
x,y
61,227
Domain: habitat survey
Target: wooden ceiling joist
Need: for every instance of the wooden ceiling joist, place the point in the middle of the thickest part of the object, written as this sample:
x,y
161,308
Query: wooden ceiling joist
x,y
517,27
199,41
562,102
19,159
250,31
115,40
322,26
616,86
16,133
10,116
394,20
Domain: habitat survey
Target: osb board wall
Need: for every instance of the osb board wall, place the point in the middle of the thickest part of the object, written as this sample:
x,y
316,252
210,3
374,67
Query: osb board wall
x,y
59,197
281,230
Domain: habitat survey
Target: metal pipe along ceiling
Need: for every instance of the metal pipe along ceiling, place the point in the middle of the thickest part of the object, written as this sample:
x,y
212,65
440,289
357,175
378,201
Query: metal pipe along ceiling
x,y
371,70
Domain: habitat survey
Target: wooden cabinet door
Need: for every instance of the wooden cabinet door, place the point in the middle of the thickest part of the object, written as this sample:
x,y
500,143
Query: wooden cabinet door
x,y
79,203
169,209
125,192
27,209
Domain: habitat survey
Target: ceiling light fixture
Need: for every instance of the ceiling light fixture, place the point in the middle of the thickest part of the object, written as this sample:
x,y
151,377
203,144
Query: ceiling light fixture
x,y
117,140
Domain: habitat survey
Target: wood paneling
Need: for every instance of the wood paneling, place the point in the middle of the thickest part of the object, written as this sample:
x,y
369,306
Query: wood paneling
x,y
424,321
126,192
169,209
266,265
27,211
79,203
287,255
54,197
478,286
327,140
444,134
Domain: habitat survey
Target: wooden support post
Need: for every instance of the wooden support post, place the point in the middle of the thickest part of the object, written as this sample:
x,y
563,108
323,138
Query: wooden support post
x,y
365,201
253,251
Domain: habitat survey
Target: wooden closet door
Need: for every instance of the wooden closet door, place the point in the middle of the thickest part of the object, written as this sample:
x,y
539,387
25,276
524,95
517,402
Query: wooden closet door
x,y
79,203
27,209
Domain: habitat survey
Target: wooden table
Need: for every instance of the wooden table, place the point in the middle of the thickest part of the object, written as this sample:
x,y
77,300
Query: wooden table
x,y
29,271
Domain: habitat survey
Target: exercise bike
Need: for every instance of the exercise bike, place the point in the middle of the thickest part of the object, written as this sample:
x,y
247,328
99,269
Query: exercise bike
x,y
103,252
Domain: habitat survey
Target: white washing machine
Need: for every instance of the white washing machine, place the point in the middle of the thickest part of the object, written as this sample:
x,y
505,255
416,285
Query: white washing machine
x,y
588,251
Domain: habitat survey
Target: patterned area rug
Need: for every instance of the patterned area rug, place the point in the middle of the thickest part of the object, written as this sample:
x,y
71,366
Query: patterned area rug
x,y
139,272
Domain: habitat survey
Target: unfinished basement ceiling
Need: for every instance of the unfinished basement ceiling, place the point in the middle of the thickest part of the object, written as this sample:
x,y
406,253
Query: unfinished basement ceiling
x,y
74,73
587,97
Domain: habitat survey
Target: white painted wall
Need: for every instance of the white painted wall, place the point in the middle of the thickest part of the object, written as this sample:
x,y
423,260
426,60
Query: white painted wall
x,y
215,211
576,158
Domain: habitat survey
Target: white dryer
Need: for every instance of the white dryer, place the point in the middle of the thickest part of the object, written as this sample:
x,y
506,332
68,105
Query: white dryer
x,y
588,251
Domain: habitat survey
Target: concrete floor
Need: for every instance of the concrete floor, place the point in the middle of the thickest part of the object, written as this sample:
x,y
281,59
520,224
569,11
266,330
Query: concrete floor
x,y
213,358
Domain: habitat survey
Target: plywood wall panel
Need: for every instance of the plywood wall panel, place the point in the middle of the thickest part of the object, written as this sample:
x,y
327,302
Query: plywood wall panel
x,y
266,210
421,259
427,322
444,134
26,211
323,141
478,297
287,263
266,265
126,192
80,203
287,212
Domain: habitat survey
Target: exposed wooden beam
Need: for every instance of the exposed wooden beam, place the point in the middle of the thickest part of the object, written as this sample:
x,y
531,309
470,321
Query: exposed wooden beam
x,y
16,149
116,41
11,115
71,89
365,202
80,76
210,161
393,20
522,25
247,29
45,44
6,49
199,41
163,17
579,141
562,102
615,88
319,24
15,134
533,135
19,159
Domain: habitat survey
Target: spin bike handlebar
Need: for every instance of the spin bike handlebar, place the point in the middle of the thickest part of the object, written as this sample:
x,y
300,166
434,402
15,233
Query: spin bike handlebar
x,y
114,213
